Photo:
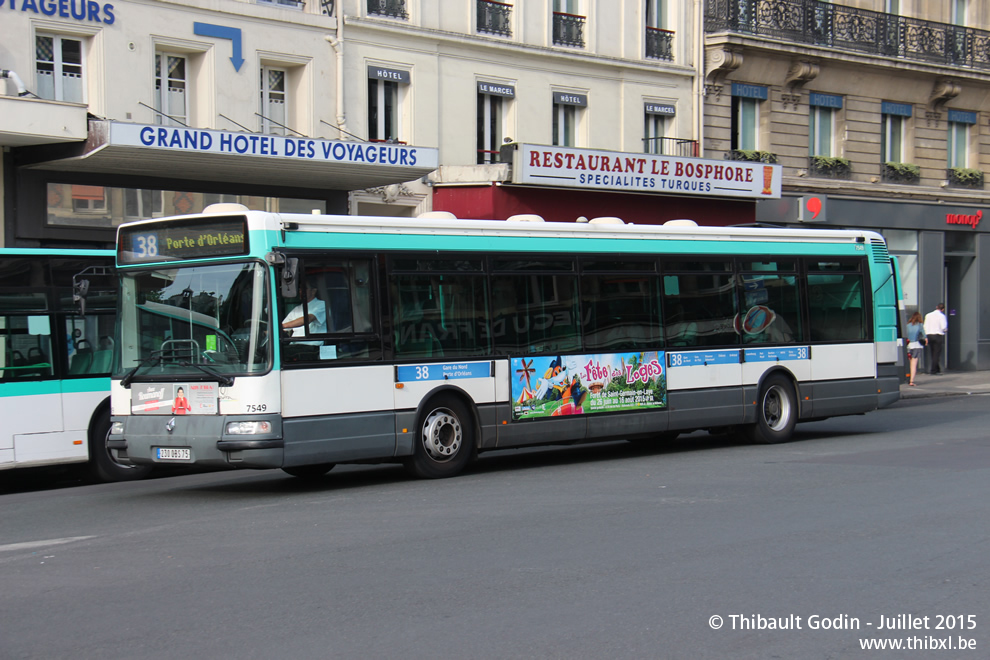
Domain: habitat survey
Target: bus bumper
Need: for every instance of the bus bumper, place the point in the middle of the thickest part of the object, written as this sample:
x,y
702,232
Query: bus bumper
x,y
208,439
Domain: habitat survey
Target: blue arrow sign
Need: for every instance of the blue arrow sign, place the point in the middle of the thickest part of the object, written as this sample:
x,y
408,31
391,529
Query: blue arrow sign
x,y
222,32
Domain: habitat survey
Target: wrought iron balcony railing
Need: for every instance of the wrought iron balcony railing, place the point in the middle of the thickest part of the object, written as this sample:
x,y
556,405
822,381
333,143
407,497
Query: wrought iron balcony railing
x,y
390,8
495,17
665,146
659,44
568,29
831,25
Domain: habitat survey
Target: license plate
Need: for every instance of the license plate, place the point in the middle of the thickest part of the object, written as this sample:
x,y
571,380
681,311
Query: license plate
x,y
174,454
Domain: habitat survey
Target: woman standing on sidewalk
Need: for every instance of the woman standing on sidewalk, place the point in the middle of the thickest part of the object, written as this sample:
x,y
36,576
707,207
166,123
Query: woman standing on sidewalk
x,y
916,342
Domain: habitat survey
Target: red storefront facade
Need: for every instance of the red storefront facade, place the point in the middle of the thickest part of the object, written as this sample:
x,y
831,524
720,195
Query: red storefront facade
x,y
563,184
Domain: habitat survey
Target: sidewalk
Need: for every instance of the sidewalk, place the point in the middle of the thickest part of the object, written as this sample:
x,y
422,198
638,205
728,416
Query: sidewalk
x,y
948,384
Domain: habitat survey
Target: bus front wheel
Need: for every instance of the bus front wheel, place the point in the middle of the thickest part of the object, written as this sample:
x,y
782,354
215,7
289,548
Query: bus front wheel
x,y
776,412
103,467
444,442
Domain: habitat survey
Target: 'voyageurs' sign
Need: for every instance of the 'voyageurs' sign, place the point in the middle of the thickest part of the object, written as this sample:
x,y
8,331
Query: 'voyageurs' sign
x,y
230,143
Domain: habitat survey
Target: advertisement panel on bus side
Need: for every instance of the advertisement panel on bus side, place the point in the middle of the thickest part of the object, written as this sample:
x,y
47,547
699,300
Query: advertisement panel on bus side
x,y
552,386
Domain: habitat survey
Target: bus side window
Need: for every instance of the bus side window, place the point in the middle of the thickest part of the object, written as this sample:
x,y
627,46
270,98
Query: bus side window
x,y
699,309
27,347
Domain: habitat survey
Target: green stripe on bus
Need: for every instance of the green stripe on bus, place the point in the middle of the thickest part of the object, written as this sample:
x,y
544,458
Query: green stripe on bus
x,y
30,388
76,385
558,244
68,386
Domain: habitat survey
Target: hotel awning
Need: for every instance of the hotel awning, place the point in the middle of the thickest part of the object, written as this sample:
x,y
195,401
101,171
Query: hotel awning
x,y
251,158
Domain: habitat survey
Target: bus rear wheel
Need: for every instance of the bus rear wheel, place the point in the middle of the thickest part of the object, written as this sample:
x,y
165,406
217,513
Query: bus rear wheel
x,y
776,412
103,467
445,441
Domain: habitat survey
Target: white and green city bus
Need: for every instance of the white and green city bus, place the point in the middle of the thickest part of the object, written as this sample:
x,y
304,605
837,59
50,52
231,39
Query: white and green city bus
x,y
428,341
57,311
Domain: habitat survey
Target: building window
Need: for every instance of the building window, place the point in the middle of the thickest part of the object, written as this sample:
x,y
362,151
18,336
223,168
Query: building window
x,y
390,8
383,105
140,203
957,9
568,25
292,4
490,115
273,101
564,120
958,147
655,14
659,41
89,199
903,244
58,62
567,108
494,17
653,134
892,7
171,99
820,130
892,139
745,123
104,207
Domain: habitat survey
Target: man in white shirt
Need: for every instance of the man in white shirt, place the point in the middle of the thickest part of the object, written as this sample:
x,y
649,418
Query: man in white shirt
x,y
935,327
316,315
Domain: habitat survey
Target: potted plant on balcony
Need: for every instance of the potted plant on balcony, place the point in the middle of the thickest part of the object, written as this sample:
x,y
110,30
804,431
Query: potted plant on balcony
x,y
753,155
901,172
830,166
965,177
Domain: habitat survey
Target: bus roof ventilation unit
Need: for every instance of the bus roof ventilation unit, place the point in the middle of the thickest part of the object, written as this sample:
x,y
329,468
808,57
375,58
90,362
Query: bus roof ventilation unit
x,y
525,217
225,208
437,215
606,220
680,222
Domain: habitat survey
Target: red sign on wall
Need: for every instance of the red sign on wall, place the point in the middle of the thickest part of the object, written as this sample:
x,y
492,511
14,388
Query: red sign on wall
x,y
962,219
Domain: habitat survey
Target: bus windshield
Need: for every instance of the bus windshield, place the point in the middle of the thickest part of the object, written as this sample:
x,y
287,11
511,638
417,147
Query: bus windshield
x,y
195,321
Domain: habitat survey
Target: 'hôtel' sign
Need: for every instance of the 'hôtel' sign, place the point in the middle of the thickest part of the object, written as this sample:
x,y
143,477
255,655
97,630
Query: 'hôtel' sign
x,y
592,169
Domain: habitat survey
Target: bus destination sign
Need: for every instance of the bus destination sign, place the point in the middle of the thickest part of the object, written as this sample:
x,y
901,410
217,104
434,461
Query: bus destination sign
x,y
219,237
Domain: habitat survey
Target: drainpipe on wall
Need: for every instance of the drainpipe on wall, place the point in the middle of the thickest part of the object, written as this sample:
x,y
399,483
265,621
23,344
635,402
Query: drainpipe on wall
x,y
10,75
337,44
699,77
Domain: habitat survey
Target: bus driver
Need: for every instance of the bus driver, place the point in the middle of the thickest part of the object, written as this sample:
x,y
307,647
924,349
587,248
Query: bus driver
x,y
317,317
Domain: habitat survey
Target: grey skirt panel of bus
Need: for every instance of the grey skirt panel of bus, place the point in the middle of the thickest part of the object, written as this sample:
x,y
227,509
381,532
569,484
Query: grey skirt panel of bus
x,y
627,425
842,397
338,438
543,431
694,409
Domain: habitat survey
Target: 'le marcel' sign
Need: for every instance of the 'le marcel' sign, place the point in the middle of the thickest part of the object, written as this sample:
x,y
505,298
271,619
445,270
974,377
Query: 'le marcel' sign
x,y
614,170
229,143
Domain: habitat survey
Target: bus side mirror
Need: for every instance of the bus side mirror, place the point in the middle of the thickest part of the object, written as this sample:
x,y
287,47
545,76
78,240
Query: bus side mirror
x,y
290,278
80,289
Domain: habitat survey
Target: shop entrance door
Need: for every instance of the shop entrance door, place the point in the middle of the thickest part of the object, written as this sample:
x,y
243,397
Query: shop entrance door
x,y
962,310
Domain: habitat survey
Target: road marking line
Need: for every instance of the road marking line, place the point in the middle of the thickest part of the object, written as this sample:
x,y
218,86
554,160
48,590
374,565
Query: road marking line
x,y
30,545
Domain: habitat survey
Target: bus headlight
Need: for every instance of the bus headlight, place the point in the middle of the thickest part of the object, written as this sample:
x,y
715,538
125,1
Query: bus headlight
x,y
248,428
117,428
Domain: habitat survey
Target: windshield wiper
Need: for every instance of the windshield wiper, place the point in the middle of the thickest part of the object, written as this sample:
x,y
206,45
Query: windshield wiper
x,y
152,360
225,381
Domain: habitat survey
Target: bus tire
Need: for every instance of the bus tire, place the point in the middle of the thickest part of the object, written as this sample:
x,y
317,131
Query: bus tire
x,y
103,467
444,443
776,411
309,471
